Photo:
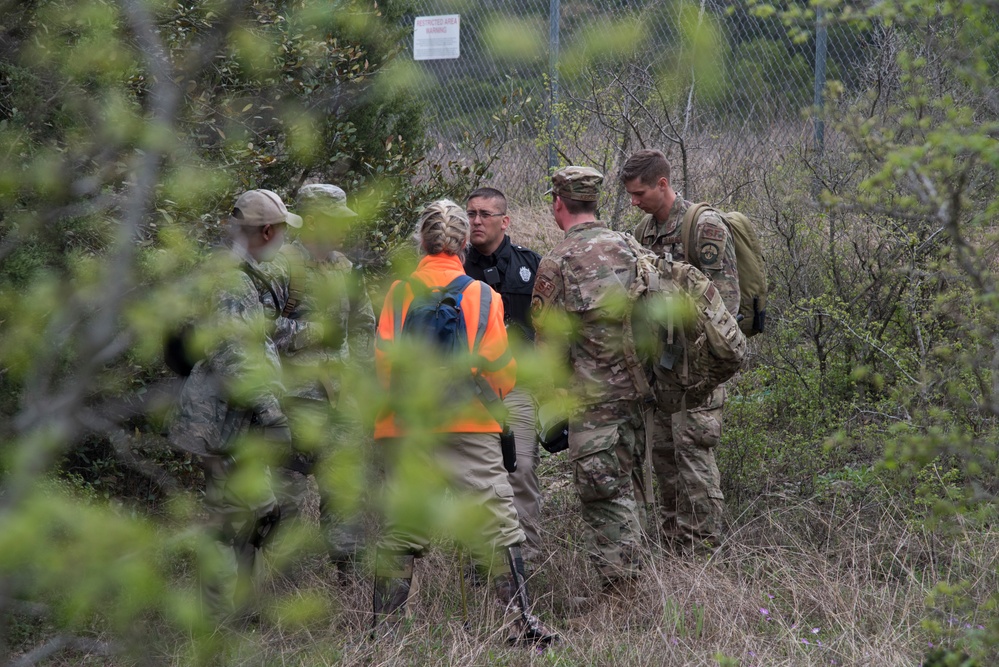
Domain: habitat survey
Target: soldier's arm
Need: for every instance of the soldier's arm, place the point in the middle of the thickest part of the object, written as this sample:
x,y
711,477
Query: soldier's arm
x,y
639,231
360,322
715,250
292,334
245,356
547,297
551,321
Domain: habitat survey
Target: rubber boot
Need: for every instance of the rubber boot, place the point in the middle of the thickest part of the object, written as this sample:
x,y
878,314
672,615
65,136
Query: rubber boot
x,y
511,588
393,579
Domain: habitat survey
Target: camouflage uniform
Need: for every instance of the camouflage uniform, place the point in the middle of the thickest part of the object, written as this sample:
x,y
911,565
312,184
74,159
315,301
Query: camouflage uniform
x,y
317,348
587,275
683,445
232,392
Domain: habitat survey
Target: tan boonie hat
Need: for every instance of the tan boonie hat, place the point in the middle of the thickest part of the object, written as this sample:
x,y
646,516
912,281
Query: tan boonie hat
x,y
579,183
325,197
256,208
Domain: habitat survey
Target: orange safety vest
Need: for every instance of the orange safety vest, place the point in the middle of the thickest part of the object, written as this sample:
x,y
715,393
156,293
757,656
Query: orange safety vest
x,y
499,369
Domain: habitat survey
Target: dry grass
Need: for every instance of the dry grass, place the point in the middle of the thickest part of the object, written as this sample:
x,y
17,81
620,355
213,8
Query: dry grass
x,y
801,583
534,227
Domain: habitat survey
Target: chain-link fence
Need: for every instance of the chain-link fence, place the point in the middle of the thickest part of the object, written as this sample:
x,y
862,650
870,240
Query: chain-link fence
x,y
540,82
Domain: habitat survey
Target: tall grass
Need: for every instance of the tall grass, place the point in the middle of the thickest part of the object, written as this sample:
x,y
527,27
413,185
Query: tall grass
x,y
802,582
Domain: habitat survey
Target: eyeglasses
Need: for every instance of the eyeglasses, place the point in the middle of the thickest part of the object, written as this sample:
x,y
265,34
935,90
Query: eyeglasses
x,y
482,214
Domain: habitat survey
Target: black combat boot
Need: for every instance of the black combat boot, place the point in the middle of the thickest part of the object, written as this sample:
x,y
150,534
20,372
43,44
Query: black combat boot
x,y
511,589
393,578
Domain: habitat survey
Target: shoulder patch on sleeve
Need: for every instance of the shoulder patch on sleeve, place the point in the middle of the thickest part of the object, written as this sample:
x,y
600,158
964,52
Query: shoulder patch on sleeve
x,y
544,287
709,254
712,231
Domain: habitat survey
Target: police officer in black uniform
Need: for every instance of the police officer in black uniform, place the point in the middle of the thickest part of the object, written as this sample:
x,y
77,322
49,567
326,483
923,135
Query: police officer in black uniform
x,y
510,270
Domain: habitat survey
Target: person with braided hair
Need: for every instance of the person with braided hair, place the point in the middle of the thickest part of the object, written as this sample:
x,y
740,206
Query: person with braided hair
x,y
459,440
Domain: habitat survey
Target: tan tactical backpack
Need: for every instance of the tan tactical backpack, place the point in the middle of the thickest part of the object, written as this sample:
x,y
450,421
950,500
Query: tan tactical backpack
x,y
680,328
748,257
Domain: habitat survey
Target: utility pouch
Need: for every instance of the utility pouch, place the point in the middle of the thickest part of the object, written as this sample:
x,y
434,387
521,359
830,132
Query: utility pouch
x,y
508,445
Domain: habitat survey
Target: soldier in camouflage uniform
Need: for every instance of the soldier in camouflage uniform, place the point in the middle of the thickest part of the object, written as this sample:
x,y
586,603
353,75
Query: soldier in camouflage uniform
x,y
234,392
587,276
683,449
326,331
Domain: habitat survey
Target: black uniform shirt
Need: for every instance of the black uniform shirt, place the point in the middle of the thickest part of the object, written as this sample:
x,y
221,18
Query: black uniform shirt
x,y
515,269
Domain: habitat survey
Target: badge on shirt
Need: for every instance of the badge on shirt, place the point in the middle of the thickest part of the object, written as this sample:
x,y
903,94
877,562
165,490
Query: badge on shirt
x,y
525,274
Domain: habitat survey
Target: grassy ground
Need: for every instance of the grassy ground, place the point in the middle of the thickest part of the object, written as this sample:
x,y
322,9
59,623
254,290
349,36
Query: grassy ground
x,y
797,582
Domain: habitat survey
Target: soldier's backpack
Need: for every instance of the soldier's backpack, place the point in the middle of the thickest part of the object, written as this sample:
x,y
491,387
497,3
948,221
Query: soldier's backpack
x,y
680,328
749,258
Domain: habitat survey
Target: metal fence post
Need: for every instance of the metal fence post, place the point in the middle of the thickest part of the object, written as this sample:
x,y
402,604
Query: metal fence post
x,y
554,11
821,47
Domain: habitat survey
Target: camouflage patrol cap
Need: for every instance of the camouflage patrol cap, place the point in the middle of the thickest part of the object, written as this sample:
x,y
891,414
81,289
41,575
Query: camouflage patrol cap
x,y
332,199
256,208
579,183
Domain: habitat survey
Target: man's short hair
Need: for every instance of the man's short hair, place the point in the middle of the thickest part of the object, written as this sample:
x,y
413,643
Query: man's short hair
x,y
577,206
648,165
489,193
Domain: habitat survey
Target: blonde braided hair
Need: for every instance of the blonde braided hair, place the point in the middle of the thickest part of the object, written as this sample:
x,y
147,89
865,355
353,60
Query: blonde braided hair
x,y
443,228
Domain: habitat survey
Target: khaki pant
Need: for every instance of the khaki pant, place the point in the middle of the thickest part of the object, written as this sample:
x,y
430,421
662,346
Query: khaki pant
x,y
526,489
683,456
457,476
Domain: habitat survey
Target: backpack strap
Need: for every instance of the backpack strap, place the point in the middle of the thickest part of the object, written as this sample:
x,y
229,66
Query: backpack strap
x,y
687,229
296,286
646,280
398,299
485,304
487,395
261,280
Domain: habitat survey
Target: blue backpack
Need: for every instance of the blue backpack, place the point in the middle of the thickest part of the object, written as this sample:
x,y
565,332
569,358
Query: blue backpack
x,y
435,314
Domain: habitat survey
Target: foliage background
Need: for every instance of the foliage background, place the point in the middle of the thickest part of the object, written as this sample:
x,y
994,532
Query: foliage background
x,y
859,457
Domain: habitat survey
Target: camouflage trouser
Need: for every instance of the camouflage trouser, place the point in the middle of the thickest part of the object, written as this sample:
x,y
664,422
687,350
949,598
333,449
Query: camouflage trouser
x,y
683,457
343,476
526,489
605,446
323,439
240,504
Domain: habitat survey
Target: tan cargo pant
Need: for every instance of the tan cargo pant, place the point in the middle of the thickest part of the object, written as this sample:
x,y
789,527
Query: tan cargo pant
x,y
456,473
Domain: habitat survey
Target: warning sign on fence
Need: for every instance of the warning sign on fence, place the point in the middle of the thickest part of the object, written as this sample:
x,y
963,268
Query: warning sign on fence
x,y
436,37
